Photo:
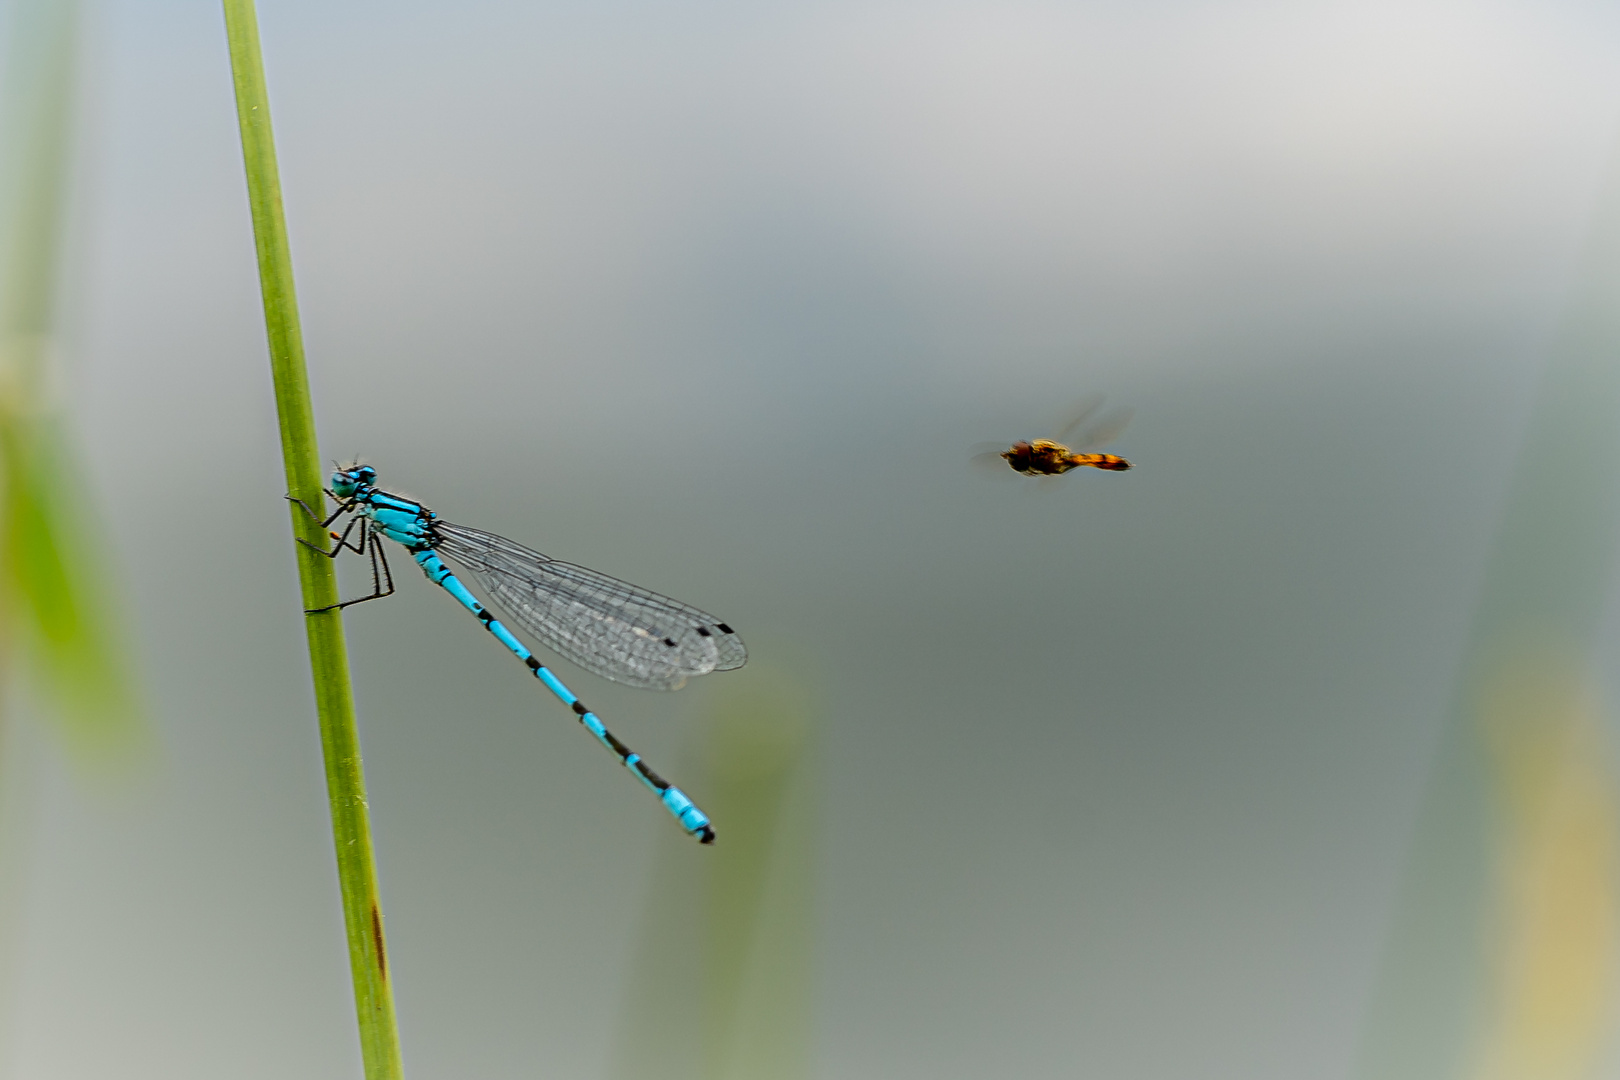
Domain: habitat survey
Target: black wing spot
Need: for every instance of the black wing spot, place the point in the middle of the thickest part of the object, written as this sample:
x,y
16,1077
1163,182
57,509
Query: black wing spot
x,y
703,631
670,642
724,629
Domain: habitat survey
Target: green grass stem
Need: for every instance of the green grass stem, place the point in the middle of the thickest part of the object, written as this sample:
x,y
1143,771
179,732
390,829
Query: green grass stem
x,y
328,656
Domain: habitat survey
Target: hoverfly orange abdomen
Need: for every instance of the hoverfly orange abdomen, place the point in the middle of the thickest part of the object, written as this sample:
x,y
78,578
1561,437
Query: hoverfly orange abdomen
x,y
1110,462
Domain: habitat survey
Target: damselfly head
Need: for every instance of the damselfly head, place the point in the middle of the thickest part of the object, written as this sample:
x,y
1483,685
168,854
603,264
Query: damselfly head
x,y
350,479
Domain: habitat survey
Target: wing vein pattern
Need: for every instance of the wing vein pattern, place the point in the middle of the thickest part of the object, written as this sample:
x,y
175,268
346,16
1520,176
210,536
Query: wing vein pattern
x,y
606,626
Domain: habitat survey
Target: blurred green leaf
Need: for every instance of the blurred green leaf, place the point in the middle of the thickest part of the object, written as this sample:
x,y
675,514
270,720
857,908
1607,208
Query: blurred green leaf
x,y
721,988
760,896
57,593
54,586
1441,1001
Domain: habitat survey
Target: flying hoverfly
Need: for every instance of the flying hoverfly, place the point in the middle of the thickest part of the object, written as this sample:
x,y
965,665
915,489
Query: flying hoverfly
x,y
1055,456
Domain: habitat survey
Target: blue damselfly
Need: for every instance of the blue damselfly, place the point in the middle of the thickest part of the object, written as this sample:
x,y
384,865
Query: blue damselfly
x,y
606,626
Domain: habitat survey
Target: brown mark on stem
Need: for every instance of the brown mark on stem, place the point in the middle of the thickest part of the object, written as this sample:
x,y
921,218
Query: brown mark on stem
x,y
377,940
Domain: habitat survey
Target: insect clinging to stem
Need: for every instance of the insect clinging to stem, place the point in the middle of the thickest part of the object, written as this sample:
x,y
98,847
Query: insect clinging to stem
x,y
617,630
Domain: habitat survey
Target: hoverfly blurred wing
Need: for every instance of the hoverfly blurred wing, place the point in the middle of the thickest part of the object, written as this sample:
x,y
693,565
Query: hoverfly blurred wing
x,y
1104,430
986,457
1078,416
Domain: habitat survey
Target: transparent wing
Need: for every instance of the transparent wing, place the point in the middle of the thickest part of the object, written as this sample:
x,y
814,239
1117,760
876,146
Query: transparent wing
x,y
604,625
985,457
1101,430
1077,416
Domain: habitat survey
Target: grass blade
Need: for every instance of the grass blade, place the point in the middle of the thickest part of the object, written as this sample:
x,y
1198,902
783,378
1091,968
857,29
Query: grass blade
x,y
328,655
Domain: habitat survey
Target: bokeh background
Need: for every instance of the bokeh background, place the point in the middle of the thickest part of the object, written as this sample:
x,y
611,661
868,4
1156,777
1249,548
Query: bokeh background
x,y
1197,770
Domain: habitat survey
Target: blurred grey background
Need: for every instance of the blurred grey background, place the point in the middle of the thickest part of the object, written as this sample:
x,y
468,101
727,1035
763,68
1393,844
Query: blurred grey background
x,y
1116,780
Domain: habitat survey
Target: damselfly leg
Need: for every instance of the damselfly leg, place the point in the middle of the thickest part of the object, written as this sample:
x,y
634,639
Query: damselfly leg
x,y
382,578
